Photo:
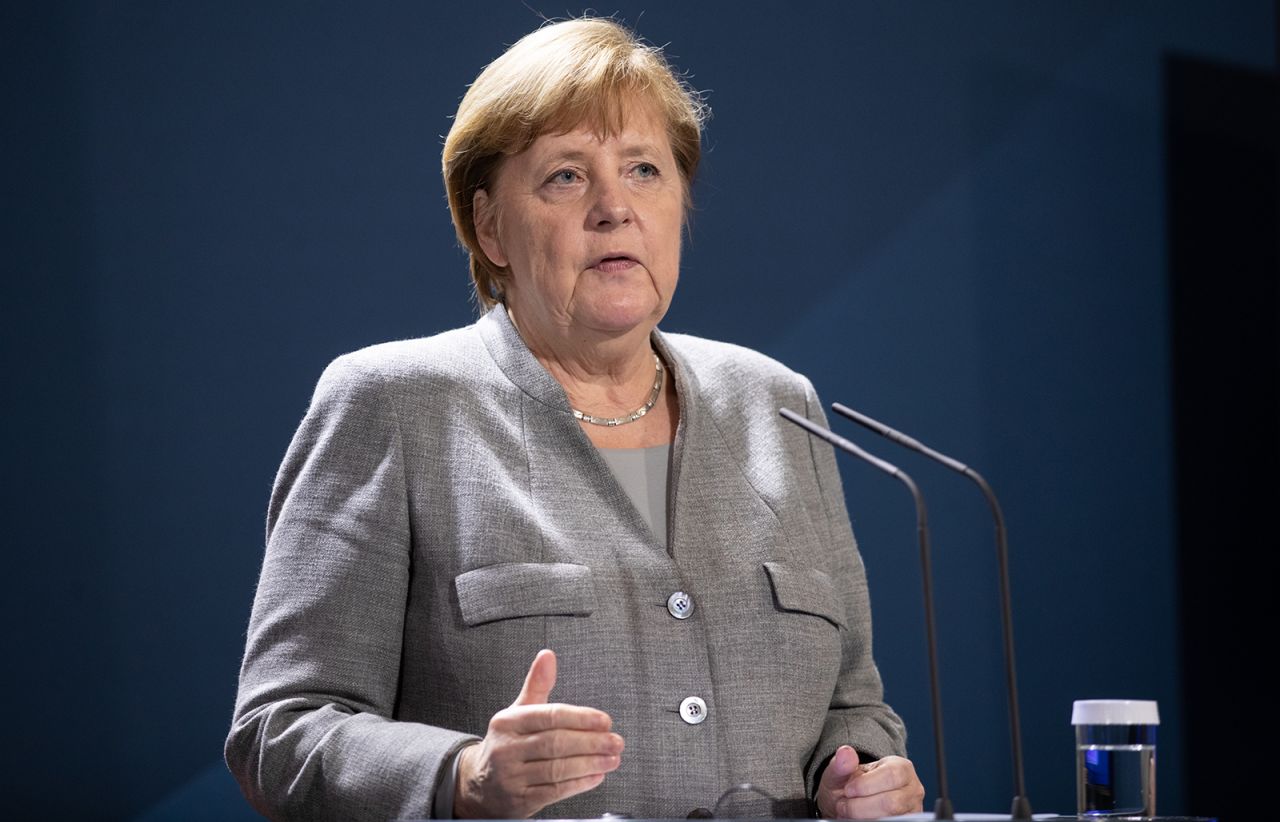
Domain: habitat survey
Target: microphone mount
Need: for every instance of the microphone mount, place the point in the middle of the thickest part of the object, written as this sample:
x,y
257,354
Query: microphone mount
x,y
1021,808
942,808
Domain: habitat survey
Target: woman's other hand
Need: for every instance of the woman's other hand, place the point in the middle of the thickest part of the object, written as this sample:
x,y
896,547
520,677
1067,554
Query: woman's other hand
x,y
535,753
852,790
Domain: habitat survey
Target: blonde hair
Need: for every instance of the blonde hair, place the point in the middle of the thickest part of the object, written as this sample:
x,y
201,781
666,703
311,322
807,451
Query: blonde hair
x,y
578,72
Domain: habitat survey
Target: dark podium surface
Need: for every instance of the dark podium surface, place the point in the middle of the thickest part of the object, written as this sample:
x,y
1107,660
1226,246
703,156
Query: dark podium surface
x,y
909,817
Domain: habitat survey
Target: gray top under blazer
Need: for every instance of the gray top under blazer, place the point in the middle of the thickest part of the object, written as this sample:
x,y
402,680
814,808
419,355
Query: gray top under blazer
x,y
440,516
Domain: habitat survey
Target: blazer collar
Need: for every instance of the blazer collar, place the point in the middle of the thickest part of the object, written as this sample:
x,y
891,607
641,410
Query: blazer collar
x,y
516,361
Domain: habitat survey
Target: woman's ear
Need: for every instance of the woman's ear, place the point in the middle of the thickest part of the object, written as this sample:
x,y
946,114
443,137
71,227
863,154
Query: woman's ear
x,y
485,213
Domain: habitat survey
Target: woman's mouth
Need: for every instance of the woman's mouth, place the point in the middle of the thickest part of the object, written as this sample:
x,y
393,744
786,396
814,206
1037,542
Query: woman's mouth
x,y
614,263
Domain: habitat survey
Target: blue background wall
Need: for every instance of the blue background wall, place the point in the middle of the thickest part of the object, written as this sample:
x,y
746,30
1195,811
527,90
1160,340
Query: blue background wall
x,y
948,214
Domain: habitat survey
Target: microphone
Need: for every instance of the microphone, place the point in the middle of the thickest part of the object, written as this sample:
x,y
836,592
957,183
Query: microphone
x,y
1021,804
942,808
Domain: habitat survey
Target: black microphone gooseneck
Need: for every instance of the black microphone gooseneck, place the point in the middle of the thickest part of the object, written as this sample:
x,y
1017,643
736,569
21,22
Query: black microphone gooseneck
x,y
942,808
1021,804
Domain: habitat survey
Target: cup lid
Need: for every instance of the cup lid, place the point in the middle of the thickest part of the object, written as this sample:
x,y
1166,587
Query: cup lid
x,y
1114,712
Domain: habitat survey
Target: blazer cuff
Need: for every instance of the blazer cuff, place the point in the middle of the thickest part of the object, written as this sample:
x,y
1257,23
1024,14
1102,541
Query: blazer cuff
x,y
442,804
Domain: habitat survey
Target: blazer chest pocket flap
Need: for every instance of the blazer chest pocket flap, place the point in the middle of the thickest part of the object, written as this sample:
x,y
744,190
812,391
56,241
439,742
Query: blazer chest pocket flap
x,y
805,591
523,589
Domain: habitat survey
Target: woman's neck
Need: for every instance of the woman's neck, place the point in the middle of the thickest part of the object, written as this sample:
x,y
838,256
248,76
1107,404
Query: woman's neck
x,y
603,375
609,377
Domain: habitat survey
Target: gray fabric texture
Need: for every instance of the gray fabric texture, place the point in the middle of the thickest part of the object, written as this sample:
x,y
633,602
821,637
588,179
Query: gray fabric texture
x,y
440,516
642,473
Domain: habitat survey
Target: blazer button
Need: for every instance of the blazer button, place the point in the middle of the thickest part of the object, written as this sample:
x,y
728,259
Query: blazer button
x,y
680,605
693,710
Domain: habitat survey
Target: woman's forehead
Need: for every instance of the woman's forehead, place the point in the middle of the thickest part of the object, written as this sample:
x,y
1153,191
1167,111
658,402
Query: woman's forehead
x,y
642,134
607,116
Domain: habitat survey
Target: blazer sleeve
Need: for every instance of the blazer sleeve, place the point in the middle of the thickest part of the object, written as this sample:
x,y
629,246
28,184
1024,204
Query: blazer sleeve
x,y
858,715
313,735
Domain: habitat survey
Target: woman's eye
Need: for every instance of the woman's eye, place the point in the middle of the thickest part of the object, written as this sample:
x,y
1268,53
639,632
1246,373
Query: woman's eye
x,y
646,170
564,177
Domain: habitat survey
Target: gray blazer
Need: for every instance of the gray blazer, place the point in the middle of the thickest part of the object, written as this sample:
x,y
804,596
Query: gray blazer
x,y
440,516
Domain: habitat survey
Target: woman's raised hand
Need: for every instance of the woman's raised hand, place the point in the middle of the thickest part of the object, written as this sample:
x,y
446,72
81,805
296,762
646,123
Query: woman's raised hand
x,y
535,753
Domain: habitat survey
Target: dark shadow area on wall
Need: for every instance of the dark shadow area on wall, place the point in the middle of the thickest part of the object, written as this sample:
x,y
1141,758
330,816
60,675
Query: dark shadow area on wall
x,y
62,704
1223,155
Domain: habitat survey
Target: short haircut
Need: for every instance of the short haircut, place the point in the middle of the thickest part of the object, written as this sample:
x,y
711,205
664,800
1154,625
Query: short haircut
x,y
587,72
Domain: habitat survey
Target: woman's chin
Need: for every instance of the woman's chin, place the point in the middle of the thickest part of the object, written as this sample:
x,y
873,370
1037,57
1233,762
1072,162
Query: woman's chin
x,y
620,318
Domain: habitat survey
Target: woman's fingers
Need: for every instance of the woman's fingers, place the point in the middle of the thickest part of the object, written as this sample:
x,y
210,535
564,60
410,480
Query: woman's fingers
x,y
543,795
569,769
888,774
843,765
893,803
530,719
887,787
539,681
556,756
519,779
561,743
853,790
535,753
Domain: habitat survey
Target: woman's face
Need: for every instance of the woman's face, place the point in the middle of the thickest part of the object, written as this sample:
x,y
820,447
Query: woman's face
x,y
590,229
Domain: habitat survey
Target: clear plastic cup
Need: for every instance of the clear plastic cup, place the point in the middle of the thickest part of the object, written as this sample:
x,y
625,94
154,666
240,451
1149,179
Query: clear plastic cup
x,y
1115,757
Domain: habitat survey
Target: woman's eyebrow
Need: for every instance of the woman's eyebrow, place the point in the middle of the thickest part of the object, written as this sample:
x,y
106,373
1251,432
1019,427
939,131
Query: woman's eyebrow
x,y
554,157
631,149
642,150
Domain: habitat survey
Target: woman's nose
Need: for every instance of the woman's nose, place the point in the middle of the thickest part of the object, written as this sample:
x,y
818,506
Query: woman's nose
x,y
611,206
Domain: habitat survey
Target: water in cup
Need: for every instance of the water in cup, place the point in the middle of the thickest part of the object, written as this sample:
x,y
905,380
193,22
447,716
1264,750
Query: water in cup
x,y
1117,779
1115,757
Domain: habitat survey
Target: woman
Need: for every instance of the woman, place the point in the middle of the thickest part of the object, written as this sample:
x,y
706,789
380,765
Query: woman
x,y
563,476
